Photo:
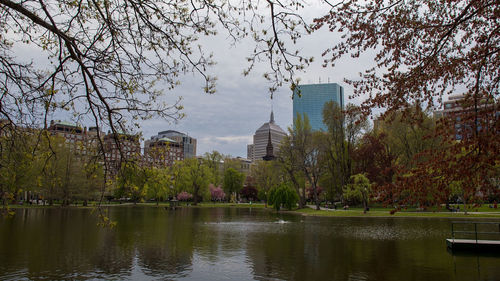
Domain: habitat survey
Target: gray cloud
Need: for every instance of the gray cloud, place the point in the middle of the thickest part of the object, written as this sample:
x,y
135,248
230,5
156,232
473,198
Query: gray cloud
x,y
227,120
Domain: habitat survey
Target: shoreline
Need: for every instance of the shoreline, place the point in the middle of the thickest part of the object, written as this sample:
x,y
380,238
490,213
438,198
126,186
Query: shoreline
x,y
399,214
303,212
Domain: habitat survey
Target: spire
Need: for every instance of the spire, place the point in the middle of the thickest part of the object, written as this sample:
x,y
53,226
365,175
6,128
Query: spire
x,y
272,117
269,147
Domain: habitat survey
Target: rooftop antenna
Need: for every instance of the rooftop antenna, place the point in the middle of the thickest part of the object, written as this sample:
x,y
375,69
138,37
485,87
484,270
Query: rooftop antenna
x,y
271,120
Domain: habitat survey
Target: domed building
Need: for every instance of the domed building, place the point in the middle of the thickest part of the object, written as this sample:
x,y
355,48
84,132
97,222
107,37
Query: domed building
x,y
268,130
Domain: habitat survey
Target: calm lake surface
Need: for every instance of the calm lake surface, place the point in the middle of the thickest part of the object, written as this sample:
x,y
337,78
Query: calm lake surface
x,y
229,244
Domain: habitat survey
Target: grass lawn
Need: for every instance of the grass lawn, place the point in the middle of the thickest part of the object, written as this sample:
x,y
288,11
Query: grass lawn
x,y
385,212
483,211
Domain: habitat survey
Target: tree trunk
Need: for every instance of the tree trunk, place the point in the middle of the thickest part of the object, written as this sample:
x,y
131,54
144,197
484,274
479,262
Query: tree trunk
x,y
304,196
195,195
4,201
301,201
297,188
316,199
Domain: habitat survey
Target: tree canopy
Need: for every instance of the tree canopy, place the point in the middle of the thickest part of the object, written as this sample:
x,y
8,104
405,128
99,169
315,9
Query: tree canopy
x,y
424,51
233,181
106,59
194,176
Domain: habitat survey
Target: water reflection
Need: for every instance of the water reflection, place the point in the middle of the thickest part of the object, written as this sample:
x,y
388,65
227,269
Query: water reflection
x,y
228,244
475,265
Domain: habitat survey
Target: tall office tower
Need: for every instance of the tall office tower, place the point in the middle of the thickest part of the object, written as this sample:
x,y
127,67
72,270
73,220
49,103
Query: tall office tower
x,y
310,99
268,130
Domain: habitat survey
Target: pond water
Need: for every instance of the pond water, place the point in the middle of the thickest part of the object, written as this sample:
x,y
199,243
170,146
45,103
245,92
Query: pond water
x,y
151,243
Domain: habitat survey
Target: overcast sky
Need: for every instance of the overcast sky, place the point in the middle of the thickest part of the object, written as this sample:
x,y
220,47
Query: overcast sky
x,y
227,120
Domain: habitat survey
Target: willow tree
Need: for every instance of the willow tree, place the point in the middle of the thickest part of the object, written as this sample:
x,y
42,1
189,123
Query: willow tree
x,y
359,189
422,51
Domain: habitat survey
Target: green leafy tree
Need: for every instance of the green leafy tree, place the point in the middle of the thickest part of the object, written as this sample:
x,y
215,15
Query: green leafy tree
x,y
289,160
93,182
266,174
310,152
71,174
17,157
283,195
131,182
409,134
194,176
345,128
63,175
360,189
214,160
410,137
158,183
233,181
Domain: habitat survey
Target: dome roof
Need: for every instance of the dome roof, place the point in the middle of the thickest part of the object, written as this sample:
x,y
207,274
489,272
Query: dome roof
x,y
270,126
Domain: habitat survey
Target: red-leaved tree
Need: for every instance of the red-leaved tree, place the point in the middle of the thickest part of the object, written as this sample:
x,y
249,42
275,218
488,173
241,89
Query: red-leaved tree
x,y
423,51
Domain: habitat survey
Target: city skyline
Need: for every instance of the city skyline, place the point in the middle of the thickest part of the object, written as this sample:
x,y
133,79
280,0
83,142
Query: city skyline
x,y
226,131
226,120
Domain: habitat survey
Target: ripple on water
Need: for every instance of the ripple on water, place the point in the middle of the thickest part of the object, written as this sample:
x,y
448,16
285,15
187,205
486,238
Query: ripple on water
x,y
250,226
387,232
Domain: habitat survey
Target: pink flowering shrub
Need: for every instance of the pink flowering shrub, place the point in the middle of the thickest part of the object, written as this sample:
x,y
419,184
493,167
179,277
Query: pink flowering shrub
x,y
184,196
217,193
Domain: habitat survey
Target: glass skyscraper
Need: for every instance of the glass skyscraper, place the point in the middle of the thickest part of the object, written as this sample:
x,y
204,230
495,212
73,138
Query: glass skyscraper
x,y
311,100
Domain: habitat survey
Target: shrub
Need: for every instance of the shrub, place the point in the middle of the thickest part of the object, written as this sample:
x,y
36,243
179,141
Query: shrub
x,y
184,196
216,193
283,195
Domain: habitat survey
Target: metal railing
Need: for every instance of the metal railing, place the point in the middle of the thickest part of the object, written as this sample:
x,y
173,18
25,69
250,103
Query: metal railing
x,y
474,232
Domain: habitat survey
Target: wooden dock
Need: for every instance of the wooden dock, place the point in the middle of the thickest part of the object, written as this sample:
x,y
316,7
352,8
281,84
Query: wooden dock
x,y
471,244
473,236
